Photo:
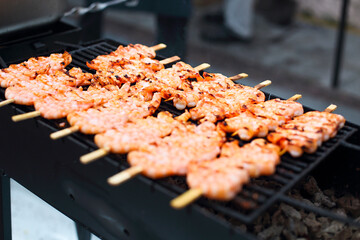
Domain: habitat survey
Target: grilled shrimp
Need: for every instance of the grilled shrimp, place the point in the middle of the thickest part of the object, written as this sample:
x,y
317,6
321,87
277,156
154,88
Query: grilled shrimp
x,y
113,114
171,155
218,179
222,178
306,132
134,135
279,110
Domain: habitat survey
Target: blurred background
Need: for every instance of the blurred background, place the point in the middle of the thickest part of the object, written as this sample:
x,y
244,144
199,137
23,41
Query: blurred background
x,y
291,42
298,44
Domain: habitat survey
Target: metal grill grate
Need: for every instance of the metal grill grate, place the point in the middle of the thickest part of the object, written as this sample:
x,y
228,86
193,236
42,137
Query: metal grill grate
x,y
261,193
257,196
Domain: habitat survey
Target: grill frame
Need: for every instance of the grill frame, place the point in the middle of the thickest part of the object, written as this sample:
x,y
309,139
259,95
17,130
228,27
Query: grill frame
x,y
198,212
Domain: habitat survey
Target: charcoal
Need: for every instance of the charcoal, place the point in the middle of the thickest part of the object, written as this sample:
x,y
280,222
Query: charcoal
x,y
278,218
335,227
288,235
307,201
323,200
258,228
330,193
242,227
350,204
324,221
270,232
311,222
290,211
356,235
311,186
346,233
300,229
341,212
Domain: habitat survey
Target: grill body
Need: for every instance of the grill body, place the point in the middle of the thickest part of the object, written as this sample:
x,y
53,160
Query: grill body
x,y
139,209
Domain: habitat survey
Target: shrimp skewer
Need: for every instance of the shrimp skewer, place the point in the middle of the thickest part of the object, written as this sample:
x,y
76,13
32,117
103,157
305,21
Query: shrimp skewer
x,y
306,133
54,64
223,177
172,154
129,52
248,124
29,69
132,135
67,100
227,102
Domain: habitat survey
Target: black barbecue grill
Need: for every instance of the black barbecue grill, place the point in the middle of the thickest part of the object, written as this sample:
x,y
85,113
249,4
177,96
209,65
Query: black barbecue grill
x,y
139,209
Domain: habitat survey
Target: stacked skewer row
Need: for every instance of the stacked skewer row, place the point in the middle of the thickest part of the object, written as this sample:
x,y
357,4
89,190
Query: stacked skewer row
x,y
118,102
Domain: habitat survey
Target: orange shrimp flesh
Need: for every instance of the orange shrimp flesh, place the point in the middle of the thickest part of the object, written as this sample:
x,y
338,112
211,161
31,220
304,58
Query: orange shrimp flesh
x,y
222,178
258,119
26,92
279,110
28,70
130,52
54,106
306,132
113,114
135,135
247,125
171,155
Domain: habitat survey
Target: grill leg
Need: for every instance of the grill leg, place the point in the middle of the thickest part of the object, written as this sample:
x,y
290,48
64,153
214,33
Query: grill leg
x,y
340,44
83,234
5,208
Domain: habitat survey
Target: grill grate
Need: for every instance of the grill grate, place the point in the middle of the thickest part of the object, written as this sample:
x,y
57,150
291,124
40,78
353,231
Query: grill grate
x,y
261,193
257,196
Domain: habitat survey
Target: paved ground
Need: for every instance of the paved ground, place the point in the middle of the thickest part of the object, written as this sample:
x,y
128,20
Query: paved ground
x,y
297,59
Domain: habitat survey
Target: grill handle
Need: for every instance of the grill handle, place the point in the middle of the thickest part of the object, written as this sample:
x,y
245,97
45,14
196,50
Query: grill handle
x,y
99,6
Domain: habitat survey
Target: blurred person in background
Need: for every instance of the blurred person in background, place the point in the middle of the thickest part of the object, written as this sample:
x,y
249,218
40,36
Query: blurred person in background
x,y
172,19
236,21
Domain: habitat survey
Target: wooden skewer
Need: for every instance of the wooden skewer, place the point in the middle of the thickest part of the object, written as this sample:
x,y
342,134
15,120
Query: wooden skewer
x,y
25,116
64,132
238,76
295,97
202,67
6,102
90,157
158,47
124,175
263,84
330,108
186,198
170,60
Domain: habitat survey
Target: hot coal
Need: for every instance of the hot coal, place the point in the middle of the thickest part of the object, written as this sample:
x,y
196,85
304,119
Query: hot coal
x,y
286,222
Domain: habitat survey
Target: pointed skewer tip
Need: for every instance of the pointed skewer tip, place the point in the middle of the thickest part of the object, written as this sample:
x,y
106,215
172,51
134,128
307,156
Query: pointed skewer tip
x,y
90,157
239,76
330,108
25,116
64,132
202,66
170,60
124,176
6,102
186,198
263,84
159,46
295,97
